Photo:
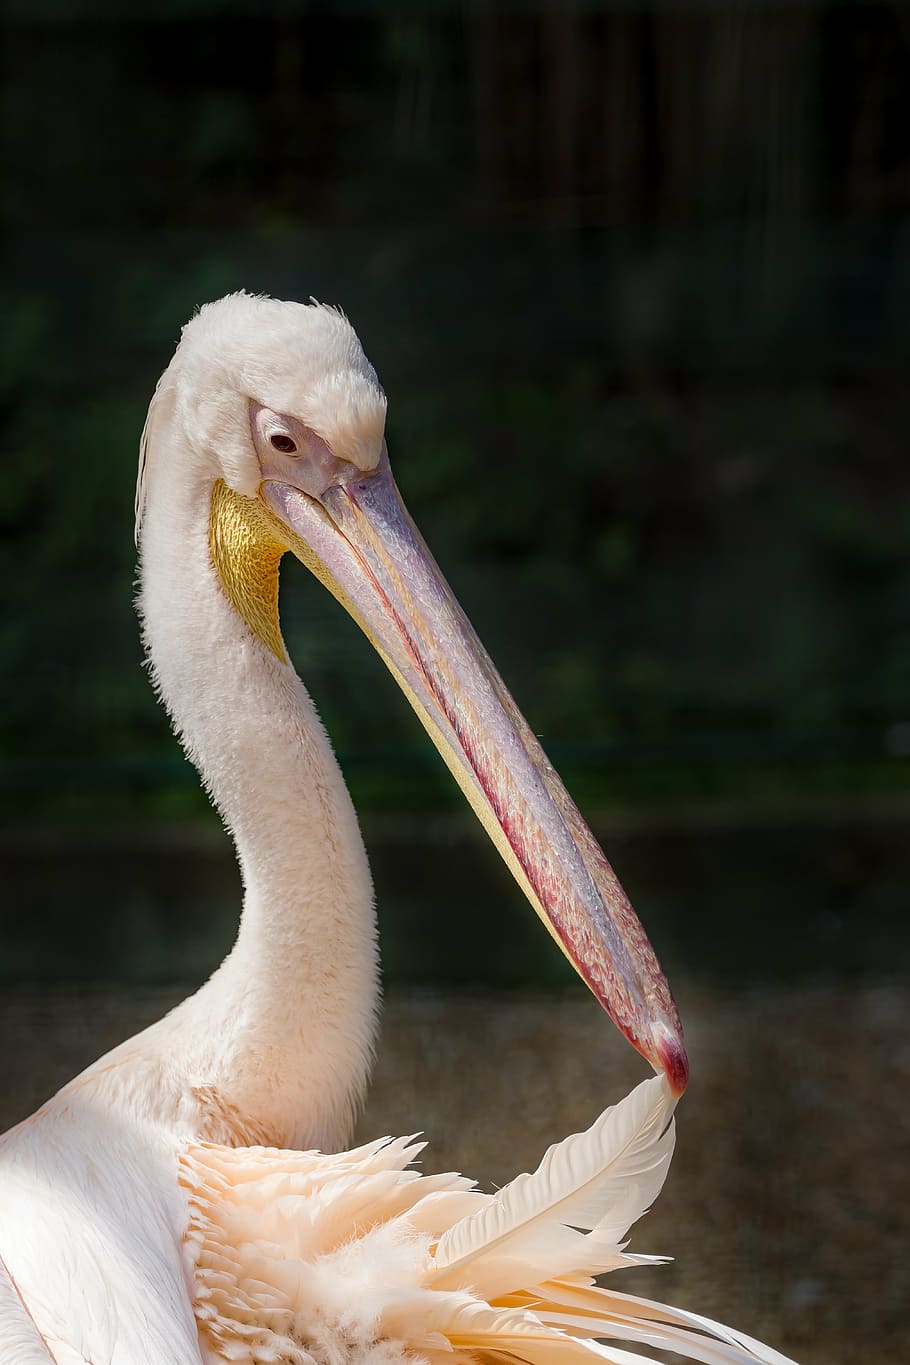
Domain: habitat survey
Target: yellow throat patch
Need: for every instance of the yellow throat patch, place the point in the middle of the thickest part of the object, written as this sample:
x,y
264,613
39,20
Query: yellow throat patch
x,y
246,552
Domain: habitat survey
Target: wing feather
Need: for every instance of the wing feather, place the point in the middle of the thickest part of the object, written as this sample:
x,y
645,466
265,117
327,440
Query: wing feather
x,y
603,1312
18,1332
602,1179
707,1350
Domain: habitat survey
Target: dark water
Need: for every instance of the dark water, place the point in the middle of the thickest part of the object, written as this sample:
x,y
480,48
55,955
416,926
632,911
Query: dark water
x,y
787,1208
786,941
819,895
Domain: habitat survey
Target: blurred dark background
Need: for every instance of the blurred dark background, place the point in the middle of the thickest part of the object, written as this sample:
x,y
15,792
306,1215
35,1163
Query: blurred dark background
x,y
636,278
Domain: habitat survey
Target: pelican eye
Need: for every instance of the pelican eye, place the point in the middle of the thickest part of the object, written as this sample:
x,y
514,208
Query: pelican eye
x,y
283,443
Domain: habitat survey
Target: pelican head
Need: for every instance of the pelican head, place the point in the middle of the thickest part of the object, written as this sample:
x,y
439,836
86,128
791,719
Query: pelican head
x,y
284,418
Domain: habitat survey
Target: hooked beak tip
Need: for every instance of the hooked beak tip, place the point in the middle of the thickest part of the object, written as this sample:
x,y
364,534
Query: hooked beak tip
x,y
673,1060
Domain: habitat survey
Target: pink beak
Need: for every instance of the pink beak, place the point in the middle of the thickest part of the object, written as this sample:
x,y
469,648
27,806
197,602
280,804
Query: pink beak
x,y
358,538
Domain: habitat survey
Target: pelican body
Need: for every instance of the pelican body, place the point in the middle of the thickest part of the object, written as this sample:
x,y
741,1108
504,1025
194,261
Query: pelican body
x,y
177,1203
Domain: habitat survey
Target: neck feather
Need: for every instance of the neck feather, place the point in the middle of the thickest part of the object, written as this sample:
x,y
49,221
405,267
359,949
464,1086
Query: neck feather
x,y
284,1028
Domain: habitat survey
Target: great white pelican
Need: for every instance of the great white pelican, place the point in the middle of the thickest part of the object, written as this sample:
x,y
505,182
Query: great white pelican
x,y
179,1202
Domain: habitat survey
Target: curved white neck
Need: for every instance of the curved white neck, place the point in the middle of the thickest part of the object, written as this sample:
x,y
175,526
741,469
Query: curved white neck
x,y
284,1029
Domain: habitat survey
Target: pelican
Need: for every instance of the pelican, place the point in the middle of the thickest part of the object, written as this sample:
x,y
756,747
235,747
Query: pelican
x,y
187,1200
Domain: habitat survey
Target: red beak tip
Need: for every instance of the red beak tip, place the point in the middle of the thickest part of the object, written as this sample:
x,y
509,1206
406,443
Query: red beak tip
x,y
674,1062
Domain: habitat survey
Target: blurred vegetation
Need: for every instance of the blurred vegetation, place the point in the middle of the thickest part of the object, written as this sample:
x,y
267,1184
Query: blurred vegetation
x,y
637,280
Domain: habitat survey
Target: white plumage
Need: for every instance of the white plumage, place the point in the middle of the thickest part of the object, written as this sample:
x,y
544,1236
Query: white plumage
x,y
303,1258
155,1211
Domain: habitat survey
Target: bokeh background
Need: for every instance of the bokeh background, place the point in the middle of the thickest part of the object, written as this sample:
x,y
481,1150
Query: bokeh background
x,y
636,278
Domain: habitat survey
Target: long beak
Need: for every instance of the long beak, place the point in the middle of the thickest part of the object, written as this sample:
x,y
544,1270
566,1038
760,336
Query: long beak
x,y
359,540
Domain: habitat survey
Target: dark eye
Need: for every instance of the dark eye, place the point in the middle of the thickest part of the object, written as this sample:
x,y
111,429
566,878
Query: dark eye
x,y
283,443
